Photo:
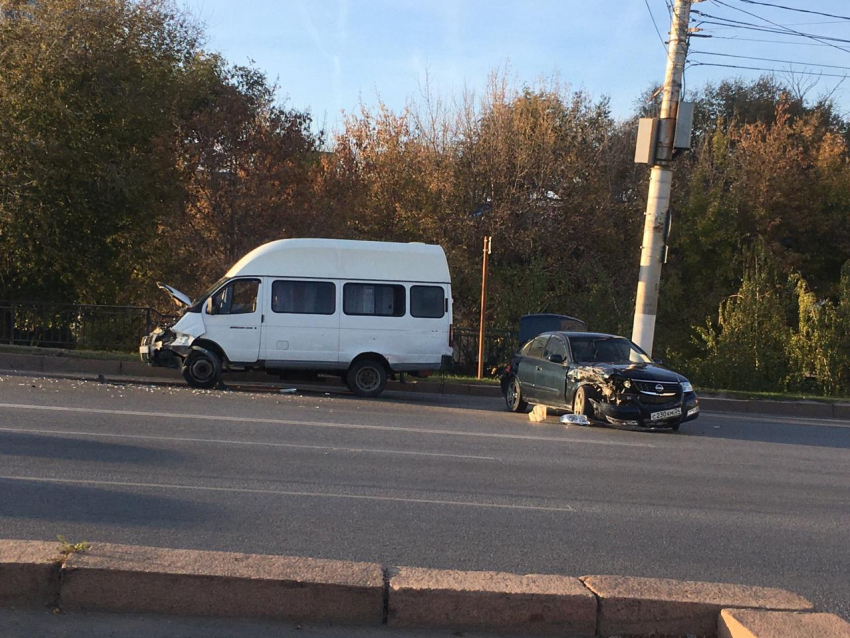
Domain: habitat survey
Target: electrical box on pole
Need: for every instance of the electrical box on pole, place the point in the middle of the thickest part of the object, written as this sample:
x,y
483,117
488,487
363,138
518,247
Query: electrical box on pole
x,y
684,125
647,140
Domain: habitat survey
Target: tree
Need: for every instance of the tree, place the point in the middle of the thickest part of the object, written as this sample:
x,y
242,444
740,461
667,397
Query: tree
x,y
89,96
245,165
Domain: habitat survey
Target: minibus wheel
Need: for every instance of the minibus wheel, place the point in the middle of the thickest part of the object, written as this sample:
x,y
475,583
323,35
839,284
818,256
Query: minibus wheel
x,y
367,378
202,369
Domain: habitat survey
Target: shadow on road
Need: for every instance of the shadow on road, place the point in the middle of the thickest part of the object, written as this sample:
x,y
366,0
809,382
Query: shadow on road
x,y
24,499
765,430
49,446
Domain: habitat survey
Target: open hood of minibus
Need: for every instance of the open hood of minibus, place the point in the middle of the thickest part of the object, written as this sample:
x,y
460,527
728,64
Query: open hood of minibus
x,y
181,299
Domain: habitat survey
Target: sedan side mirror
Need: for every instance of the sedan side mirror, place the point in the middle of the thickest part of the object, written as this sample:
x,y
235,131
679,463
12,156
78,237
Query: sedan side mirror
x,y
659,361
556,358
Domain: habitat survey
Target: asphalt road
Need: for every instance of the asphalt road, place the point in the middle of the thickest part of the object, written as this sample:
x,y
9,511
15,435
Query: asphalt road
x,y
428,480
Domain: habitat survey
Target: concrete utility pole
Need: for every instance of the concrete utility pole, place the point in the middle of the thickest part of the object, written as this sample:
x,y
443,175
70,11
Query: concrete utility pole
x,y
488,245
658,201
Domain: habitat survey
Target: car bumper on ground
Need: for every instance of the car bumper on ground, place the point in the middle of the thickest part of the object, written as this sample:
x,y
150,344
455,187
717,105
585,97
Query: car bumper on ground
x,y
655,417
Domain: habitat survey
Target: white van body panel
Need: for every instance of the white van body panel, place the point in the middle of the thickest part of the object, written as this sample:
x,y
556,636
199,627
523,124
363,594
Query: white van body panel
x,y
345,259
407,343
190,324
306,340
331,338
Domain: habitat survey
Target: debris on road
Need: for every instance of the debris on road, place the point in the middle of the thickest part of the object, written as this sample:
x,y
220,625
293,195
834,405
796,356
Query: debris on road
x,y
575,419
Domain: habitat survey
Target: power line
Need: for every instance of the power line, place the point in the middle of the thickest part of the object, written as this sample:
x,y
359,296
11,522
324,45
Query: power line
x,y
757,68
655,24
740,24
779,6
748,57
754,27
798,24
798,33
736,38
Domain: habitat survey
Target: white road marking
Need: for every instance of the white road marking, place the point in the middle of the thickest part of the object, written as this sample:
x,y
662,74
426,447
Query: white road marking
x,y
320,424
246,490
181,439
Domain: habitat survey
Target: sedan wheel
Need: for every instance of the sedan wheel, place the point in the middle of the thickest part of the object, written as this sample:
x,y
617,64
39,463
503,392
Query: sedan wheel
x,y
581,405
513,396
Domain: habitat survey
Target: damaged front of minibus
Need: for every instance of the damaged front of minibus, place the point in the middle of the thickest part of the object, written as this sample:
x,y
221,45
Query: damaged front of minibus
x,y
171,346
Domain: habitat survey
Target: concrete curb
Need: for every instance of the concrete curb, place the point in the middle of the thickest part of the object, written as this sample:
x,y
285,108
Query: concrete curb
x,y
745,623
122,578
535,603
136,370
129,579
29,572
632,606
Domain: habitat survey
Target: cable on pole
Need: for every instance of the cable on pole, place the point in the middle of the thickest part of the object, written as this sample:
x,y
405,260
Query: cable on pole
x,y
749,57
780,6
738,39
756,68
655,24
790,31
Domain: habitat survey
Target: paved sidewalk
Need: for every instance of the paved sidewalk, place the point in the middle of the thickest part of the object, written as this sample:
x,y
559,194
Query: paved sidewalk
x,y
39,623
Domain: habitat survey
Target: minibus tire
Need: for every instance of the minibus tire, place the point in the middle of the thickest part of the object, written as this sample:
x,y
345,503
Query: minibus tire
x,y
367,378
202,369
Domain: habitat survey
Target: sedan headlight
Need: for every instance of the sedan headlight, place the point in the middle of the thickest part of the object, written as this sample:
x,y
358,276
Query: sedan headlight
x,y
687,387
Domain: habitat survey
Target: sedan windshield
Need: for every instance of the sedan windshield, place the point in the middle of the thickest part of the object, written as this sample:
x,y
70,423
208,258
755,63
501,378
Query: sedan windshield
x,y
607,350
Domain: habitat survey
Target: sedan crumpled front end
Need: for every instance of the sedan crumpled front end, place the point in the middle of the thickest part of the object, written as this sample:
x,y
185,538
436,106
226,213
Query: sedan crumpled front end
x,y
646,403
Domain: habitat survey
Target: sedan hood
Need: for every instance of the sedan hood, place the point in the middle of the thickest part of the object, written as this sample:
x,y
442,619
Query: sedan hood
x,y
646,371
181,299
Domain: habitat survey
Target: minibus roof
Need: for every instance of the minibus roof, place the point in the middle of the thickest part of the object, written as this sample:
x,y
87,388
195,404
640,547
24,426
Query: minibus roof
x,y
345,259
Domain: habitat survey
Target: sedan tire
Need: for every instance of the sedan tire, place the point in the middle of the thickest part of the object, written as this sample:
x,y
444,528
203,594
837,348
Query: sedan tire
x,y
581,404
513,396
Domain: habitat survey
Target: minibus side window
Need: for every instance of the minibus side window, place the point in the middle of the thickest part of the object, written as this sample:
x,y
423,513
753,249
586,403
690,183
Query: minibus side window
x,y
304,297
236,298
382,300
427,301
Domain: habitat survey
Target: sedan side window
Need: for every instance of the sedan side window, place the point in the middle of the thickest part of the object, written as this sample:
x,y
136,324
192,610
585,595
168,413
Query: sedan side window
x,y
556,346
537,347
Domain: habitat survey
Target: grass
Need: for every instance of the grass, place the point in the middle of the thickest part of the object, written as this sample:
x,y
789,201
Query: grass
x,y
460,378
777,396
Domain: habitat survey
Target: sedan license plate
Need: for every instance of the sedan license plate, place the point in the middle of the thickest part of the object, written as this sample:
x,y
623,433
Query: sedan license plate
x,y
665,414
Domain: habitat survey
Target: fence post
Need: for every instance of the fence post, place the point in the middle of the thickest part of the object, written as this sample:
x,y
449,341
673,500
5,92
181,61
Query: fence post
x,y
12,323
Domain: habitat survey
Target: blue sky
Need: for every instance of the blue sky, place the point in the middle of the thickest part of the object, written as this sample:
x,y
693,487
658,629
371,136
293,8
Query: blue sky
x,y
328,55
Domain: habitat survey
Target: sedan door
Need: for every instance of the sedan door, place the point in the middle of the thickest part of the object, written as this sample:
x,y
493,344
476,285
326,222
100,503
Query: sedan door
x,y
529,366
550,379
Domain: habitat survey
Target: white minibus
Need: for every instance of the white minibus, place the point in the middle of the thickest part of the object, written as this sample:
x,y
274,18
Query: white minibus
x,y
363,310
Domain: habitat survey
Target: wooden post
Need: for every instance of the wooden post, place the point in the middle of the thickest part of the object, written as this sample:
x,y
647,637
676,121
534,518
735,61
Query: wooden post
x,y
488,244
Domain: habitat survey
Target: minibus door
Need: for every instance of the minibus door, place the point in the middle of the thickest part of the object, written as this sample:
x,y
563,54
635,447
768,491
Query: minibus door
x,y
232,318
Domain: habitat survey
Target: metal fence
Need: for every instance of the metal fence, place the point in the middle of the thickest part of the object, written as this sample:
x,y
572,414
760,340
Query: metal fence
x,y
83,326
499,345
120,328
